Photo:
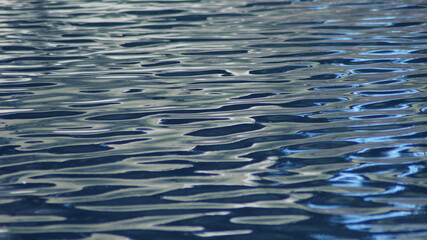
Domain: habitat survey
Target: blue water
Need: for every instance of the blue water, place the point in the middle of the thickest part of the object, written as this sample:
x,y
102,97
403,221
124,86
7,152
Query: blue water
x,y
203,119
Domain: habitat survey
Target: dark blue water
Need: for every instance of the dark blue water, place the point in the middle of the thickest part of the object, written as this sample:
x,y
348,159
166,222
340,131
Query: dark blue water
x,y
203,119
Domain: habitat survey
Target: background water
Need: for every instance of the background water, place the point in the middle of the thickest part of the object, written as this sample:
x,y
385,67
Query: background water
x,y
213,119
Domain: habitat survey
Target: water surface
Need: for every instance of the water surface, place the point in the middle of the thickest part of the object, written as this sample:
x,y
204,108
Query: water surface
x,y
203,119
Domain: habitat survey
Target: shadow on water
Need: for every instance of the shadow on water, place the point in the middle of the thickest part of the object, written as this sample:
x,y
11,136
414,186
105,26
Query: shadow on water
x,y
195,119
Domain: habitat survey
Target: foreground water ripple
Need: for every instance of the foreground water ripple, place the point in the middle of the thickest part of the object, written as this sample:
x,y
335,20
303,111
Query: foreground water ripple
x,y
195,119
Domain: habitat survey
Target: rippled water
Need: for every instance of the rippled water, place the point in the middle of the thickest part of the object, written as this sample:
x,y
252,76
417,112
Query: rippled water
x,y
213,119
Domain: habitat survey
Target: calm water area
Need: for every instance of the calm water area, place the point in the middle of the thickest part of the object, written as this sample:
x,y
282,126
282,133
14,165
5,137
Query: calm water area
x,y
213,119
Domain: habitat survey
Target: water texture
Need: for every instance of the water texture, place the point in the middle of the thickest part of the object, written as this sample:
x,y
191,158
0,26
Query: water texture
x,y
213,119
